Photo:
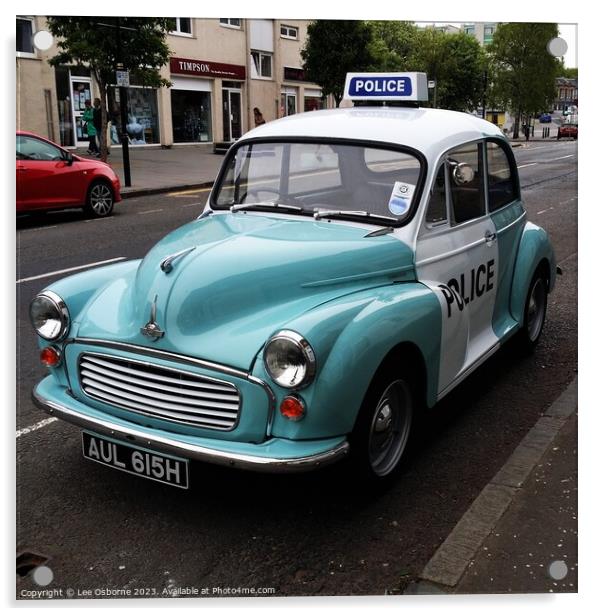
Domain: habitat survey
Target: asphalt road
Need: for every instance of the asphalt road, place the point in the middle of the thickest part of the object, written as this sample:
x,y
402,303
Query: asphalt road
x,y
299,535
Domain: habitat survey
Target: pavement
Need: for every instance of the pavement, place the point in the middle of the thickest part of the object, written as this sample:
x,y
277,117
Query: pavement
x,y
160,169
520,534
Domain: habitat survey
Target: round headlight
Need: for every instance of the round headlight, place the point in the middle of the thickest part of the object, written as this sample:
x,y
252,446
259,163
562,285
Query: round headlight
x,y
49,316
289,359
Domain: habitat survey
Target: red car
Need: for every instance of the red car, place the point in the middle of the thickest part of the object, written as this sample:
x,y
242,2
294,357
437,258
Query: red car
x,y
49,177
567,130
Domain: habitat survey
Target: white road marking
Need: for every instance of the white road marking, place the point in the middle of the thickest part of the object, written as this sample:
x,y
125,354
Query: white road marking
x,y
548,208
99,219
36,426
151,211
559,158
526,165
70,269
192,204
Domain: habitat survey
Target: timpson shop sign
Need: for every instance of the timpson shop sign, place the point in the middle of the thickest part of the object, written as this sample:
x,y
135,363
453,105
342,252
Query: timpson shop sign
x,y
202,68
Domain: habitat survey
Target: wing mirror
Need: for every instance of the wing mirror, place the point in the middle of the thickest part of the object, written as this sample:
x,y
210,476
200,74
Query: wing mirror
x,y
68,159
462,173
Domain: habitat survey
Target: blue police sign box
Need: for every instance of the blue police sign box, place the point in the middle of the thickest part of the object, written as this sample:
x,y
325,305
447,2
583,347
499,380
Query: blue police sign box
x,y
386,86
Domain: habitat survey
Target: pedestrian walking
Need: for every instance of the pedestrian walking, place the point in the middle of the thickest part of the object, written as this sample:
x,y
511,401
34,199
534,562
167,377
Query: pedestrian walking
x,y
98,124
259,120
88,118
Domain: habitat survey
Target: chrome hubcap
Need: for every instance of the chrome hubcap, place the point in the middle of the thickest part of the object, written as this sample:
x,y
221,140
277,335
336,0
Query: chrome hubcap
x,y
390,428
536,309
101,199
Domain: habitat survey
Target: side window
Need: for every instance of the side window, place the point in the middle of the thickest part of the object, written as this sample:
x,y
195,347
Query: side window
x,y
500,180
467,190
29,148
436,212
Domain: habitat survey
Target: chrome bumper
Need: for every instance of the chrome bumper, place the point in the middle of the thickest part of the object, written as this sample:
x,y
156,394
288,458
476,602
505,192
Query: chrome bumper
x,y
172,446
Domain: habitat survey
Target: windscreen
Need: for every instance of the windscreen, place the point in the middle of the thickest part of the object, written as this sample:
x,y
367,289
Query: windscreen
x,y
321,176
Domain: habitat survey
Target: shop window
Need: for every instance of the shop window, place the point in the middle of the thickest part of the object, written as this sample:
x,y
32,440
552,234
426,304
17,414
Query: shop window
x,y
191,116
313,103
181,26
142,125
230,23
289,32
25,36
262,63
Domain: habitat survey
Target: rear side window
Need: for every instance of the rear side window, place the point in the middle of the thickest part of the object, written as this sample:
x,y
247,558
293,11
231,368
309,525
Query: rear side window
x,y
466,182
500,179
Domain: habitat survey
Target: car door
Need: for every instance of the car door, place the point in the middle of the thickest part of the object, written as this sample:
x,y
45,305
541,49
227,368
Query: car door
x,y
457,257
44,175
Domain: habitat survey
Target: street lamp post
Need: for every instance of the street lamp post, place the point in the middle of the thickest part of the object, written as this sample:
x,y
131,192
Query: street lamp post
x,y
123,113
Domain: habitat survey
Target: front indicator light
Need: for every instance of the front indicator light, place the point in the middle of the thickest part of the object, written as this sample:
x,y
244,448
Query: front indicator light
x,y
50,357
292,408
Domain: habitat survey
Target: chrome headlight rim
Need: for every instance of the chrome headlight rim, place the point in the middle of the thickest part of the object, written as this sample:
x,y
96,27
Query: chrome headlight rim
x,y
62,313
304,348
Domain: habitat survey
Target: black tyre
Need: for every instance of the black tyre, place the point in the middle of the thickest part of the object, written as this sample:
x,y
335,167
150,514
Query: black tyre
x,y
100,199
534,314
381,434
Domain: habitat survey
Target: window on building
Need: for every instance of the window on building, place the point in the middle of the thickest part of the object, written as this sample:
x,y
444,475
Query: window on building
x,y
182,26
230,23
469,29
290,32
25,35
262,63
488,34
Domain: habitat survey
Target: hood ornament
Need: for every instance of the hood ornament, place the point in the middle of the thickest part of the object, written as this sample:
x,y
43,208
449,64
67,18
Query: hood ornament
x,y
152,329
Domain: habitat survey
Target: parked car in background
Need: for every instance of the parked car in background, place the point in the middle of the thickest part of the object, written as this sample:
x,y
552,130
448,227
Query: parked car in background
x,y
50,177
545,118
567,130
351,267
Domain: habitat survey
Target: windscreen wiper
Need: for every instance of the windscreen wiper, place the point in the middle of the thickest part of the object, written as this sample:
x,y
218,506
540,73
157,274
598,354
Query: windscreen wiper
x,y
265,204
337,213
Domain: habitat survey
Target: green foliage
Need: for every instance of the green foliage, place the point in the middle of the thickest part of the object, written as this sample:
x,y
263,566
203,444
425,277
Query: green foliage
x,y
92,41
569,73
334,48
457,63
525,73
391,44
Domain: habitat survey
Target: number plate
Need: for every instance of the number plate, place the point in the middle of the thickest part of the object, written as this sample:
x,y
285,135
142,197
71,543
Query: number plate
x,y
148,464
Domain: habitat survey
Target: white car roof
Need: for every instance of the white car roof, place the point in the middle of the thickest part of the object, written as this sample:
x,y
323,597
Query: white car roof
x,y
431,131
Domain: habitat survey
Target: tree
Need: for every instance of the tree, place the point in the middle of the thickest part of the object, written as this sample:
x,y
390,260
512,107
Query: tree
x,y
332,49
94,42
526,71
392,43
456,62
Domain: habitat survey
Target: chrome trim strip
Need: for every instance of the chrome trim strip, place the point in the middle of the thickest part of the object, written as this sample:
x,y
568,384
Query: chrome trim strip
x,y
523,215
134,435
450,253
167,263
192,361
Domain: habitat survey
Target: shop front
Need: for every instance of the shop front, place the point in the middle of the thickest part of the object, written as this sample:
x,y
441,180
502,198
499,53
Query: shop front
x,y
73,89
195,85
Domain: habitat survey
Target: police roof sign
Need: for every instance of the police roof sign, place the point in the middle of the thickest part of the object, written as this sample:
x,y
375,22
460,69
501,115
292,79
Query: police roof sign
x,y
386,86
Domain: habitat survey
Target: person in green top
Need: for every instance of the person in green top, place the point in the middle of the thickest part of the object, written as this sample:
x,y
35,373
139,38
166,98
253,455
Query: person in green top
x,y
88,118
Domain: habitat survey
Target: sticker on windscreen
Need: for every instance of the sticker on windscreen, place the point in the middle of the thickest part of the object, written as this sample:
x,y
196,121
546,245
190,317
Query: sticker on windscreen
x,y
401,197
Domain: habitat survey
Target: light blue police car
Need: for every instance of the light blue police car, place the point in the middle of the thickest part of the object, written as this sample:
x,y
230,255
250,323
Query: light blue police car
x,y
350,268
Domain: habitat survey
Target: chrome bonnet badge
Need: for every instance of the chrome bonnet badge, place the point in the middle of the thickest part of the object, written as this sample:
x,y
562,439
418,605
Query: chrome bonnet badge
x,y
152,329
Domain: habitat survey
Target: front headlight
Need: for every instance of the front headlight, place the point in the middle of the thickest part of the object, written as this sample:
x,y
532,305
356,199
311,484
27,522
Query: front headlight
x,y
289,359
49,316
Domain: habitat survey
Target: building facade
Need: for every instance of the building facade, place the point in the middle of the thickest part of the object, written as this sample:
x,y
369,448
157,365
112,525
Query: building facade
x,y
567,94
220,71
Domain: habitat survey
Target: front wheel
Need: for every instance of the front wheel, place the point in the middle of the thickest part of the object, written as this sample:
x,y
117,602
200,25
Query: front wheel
x,y
100,200
382,432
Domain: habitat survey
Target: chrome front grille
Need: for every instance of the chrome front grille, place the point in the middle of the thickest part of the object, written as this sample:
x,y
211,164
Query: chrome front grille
x,y
164,393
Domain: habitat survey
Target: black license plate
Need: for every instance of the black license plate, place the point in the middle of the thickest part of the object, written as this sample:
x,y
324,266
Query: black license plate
x,y
148,464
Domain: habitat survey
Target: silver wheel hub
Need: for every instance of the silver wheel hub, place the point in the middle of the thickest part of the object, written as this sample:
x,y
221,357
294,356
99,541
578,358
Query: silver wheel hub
x,y
101,199
390,428
536,309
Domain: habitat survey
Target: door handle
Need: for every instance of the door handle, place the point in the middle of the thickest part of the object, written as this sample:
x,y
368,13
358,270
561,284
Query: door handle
x,y
490,236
